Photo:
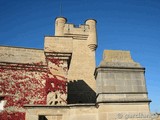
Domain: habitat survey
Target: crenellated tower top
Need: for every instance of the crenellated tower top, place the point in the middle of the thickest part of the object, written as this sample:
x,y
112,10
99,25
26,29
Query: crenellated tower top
x,y
86,31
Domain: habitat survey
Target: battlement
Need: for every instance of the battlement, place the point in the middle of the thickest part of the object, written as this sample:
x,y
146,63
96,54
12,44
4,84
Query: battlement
x,y
86,31
62,28
73,29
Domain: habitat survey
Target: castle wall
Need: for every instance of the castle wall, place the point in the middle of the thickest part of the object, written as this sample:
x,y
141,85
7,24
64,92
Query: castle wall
x,y
103,111
62,112
21,55
29,76
124,111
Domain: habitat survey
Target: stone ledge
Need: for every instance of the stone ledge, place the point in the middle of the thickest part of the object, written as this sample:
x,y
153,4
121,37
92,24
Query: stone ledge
x,y
123,93
60,106
125,101
9,47
139,69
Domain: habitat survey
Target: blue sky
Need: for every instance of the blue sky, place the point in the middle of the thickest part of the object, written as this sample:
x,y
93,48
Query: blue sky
x,y
121,25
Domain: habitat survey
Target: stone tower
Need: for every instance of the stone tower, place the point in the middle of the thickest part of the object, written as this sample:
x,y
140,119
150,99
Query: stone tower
x,y
81,43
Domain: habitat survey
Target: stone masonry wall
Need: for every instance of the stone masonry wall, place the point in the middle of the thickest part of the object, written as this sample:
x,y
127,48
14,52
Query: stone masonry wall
x,y
27,76
21,55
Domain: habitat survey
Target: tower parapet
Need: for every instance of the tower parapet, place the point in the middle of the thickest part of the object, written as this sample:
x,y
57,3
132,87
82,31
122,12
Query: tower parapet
x,y
86,31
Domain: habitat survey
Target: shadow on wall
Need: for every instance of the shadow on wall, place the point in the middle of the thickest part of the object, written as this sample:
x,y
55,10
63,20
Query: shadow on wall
x,y
80,92
42,117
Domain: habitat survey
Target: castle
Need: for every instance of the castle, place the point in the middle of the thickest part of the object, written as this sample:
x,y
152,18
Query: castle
x,y
62,82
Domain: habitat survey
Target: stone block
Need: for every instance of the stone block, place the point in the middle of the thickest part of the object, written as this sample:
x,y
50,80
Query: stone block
x,y
109,89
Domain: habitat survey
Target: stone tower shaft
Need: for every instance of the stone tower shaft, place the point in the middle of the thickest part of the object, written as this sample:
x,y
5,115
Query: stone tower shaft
x,y
81,43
